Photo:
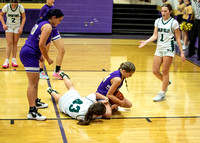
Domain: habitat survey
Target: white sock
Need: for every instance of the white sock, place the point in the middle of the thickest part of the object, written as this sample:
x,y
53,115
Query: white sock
x,y
7,60
162,92
13,59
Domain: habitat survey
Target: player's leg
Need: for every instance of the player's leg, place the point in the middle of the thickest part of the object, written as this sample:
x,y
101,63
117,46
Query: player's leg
x,y
68,83
167,61
54,93
9,40
157,61
42,73
127,104
61,52
33,79
14,51
32,91
57,41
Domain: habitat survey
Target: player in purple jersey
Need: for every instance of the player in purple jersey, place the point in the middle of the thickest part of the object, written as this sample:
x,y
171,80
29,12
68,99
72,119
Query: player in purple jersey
x,y
114,81
33,51
49,5
57,41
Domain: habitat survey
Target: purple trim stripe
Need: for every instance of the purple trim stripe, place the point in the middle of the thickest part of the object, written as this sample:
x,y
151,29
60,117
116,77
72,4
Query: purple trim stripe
x,y
56,111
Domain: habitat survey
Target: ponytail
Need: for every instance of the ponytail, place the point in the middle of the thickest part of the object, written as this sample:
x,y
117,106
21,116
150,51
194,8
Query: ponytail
x,y
95,109
50,13
128,67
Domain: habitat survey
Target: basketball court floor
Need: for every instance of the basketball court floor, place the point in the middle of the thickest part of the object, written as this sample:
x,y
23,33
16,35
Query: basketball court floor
x,y
87,61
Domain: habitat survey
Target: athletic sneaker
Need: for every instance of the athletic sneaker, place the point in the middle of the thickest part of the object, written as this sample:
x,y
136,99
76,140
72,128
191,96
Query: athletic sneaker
x,y
14,63
6,64
56,74
50,90
43,75
62,74
159,97
40,104
168,85
34,115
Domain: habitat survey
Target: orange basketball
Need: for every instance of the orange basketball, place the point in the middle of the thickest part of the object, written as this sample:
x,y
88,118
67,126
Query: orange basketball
x,y
118,95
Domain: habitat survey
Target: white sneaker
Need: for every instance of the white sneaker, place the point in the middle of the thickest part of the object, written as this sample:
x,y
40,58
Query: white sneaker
x,y
182,42
183,47
14,62
6,64
36,116
159,97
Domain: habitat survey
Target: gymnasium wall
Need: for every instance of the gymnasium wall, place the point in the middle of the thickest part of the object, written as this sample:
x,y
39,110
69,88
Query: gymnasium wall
x,y
81,16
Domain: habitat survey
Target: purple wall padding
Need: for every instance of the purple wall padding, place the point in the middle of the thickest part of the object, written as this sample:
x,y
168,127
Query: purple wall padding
x,y
86,16
81,16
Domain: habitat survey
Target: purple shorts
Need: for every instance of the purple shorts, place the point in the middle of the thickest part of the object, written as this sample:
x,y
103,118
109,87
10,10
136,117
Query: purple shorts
x,y
55,34
30,59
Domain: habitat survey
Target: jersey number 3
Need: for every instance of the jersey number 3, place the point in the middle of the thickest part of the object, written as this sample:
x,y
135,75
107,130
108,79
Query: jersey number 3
x,y
77,108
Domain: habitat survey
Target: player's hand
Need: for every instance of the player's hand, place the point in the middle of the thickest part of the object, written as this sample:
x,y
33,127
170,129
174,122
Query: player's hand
x,y
5,27
20,30
42,58
183,57
142,44
50,61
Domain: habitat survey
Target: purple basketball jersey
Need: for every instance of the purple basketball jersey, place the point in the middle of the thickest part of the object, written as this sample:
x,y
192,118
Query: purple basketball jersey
x,y
34,37
106,83
30,52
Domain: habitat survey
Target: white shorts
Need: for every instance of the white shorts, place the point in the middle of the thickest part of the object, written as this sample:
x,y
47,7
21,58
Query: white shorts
x,y
12,29
164,53
67,99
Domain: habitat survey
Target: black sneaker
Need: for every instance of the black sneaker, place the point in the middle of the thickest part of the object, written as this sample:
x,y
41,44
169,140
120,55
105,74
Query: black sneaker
x,y
34,115
40,104
62,74
50,90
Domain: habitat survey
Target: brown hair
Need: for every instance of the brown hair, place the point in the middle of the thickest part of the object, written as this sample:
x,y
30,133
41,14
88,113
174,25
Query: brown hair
x,y
95,109
128,67
170,9
14,1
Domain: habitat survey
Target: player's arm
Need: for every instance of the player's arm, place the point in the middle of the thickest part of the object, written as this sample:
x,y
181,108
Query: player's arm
x,y
2,20
115,83
151,39
177,35
100,96
23,20
23,15
45,32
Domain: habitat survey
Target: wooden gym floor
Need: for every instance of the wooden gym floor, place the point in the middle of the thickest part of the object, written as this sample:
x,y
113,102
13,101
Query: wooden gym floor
x,y
88,61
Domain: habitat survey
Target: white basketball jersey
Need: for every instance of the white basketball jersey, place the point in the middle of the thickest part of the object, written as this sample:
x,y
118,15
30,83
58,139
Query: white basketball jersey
x,y
74,105
165,40
13,15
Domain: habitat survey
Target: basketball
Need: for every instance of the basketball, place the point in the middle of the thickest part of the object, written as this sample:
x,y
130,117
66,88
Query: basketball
x,y
118,95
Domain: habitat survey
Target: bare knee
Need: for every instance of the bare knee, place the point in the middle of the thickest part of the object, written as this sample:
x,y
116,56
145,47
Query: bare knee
x,y
165,72
156,72
61,50
9,44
